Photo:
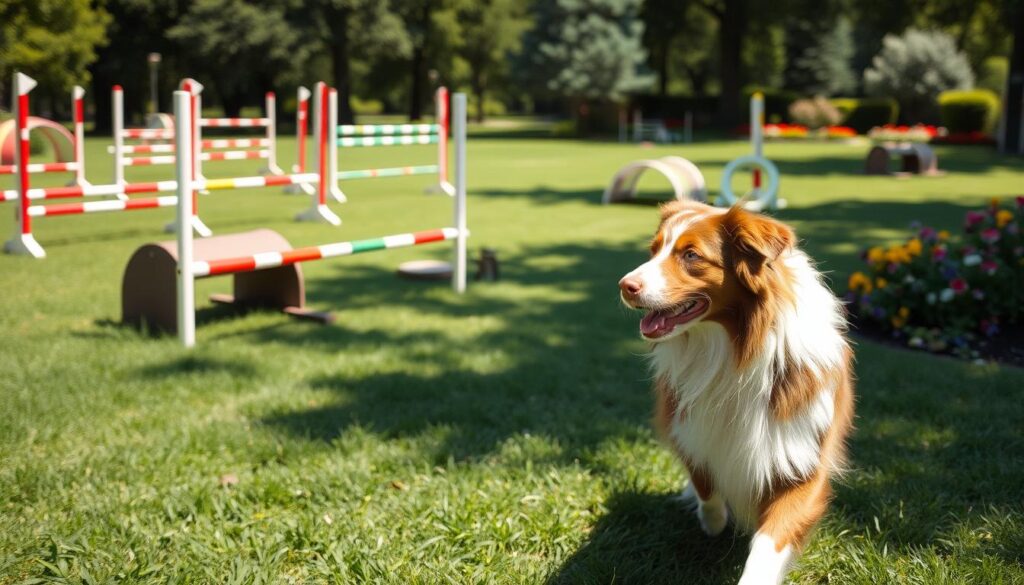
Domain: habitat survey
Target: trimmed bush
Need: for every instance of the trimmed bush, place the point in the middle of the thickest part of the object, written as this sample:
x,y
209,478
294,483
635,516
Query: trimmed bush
x,y
863,114
814,113
974,110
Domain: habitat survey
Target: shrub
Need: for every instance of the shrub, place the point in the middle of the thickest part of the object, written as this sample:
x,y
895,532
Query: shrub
x,y
973,110
914,68
361,107
993,74
943,292
491,108
814,113
865,113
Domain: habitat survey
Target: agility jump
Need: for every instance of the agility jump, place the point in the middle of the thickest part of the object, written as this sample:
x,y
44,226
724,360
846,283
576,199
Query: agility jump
x,y
148,304
68,148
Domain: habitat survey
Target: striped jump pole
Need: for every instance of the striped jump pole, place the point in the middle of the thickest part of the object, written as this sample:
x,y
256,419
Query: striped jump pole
x,y
78,107
301,125
194,90
757,134
441,103
271,112
22,242
318,211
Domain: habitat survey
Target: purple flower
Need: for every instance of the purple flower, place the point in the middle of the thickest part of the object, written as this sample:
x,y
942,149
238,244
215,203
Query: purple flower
x,y
989,267
939,253
927,234
990,235
879,313
978,294
949,272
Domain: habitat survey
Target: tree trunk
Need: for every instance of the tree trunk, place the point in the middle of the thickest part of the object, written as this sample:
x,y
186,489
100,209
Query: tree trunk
x,y
233,103
341,67
416,91
733,27
1012,140
663,69
478,85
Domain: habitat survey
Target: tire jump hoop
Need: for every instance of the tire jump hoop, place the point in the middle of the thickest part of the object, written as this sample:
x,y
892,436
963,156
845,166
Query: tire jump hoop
x,y
257,258
761,196
685,178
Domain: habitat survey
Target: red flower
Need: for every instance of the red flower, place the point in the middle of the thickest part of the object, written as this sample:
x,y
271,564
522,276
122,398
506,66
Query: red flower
x,y
958,285
990,235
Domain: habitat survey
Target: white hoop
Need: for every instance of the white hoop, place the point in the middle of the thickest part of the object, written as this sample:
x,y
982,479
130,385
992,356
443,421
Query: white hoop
x,y
766,196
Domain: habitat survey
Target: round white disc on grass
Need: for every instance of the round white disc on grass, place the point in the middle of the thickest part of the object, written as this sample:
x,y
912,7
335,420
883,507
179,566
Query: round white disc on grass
x,y
425,270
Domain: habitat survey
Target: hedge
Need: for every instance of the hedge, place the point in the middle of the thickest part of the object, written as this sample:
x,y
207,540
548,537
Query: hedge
x,y
974,110
863,114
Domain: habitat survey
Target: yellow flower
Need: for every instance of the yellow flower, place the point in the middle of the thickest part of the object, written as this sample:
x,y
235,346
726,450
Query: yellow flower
x,y
943,235
881,283
1003,217
900,318
914,247
994,202
859,282
897,255
876,255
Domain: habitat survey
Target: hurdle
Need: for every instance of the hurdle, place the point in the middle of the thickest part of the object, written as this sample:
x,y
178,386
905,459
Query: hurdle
x,y
77,164
761,196
218,149
24,242
373,135
189,268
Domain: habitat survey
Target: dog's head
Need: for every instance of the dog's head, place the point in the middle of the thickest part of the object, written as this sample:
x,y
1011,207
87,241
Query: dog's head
x,y
707,264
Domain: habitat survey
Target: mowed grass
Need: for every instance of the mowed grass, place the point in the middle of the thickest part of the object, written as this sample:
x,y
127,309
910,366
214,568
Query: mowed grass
x,y
497,437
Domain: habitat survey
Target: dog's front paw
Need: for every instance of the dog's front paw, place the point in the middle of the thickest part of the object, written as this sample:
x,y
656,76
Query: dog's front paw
x,y
713,515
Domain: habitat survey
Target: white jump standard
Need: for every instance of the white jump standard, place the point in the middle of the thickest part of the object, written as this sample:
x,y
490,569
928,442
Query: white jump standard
x,y
189,268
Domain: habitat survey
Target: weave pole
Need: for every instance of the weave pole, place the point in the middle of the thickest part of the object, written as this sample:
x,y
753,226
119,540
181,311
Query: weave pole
x,y
318,211
22,242
183,101
332,148
459,274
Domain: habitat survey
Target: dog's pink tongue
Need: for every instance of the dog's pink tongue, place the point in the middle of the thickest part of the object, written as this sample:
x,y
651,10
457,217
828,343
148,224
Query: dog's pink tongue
x,y
652,324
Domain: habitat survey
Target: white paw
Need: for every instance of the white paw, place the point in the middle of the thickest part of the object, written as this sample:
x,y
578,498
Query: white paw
x,y
713,516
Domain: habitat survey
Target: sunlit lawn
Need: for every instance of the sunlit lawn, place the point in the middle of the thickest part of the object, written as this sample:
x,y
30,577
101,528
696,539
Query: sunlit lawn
x,y
498,437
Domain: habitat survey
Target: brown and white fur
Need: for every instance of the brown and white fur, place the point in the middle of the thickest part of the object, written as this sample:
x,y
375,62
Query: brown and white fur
x,y
752,372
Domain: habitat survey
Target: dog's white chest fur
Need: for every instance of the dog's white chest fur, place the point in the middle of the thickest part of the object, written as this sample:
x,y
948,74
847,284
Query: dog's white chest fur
x,y
724,422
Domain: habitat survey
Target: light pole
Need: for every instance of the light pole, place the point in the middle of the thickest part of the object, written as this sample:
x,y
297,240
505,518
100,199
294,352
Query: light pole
x,y
154,65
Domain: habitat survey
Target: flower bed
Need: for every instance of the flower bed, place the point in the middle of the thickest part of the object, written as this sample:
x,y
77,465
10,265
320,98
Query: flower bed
x,y
965,139
894,133
799,132
946,293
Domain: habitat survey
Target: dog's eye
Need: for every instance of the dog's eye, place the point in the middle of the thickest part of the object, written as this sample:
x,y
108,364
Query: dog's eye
x,y
691,255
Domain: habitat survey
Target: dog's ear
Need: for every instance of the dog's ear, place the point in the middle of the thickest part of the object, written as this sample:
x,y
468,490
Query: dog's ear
x,y
755,242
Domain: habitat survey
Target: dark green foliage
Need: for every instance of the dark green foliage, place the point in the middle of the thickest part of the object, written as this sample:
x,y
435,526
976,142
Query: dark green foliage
x,y
863,114
776,103
969,111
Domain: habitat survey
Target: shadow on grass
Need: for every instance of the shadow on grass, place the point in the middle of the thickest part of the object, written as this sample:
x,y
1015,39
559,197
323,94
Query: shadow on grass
x,y
652,539
196,364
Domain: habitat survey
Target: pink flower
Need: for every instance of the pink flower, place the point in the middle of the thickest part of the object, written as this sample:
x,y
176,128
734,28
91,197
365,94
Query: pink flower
x,y
973,218
939,253
990,235
989,267
927,234
1020,201
958,285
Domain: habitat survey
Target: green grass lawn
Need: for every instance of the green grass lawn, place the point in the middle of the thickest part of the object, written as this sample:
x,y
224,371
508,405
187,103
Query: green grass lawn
x,y
497,437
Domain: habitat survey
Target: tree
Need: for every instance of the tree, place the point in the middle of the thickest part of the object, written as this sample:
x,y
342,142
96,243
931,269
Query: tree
x,y
823,64
244,46
914,68
492,30
434,30
53,41
733,19
586,49
665,21
348,30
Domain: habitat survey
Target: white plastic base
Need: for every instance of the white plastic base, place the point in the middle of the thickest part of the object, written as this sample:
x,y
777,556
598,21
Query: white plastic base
x,y
24,245
442,187
319,214
197,226
337,194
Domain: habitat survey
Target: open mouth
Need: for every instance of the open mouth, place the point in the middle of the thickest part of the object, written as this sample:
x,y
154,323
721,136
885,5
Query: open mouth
x,y
659,323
